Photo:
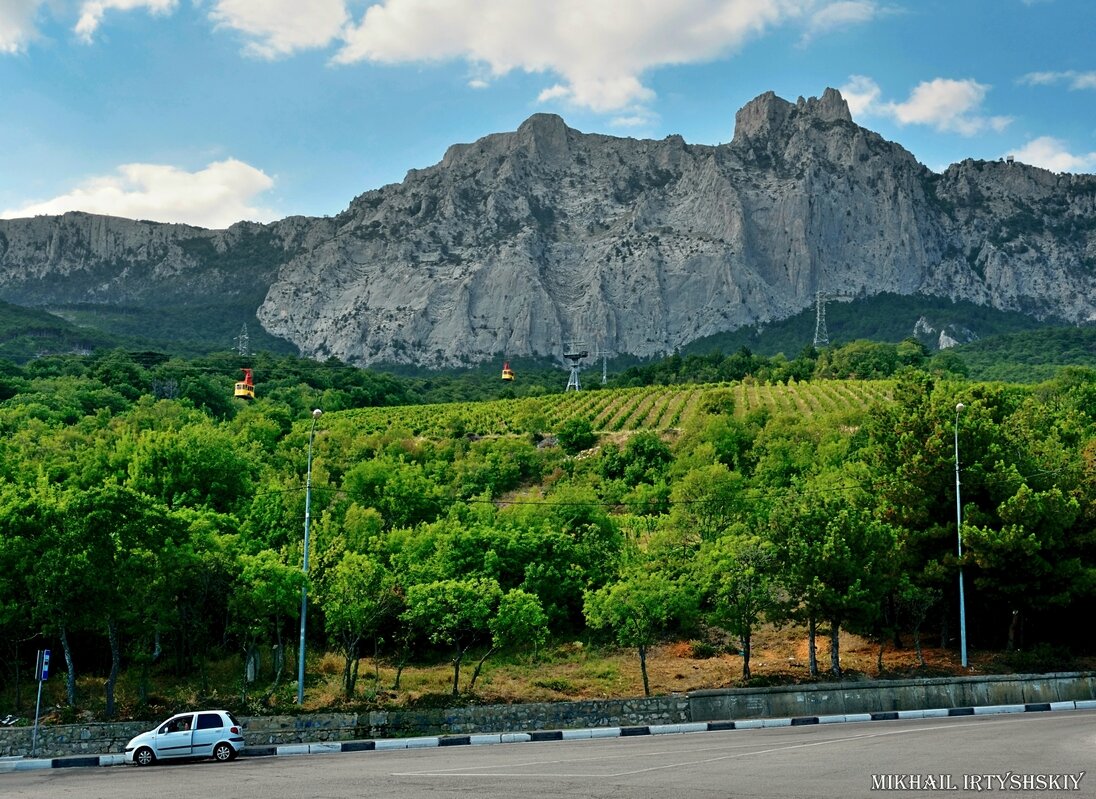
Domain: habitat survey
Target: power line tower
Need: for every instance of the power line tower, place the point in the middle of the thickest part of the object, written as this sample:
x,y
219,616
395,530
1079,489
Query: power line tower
x,y
603,356
574,352
242,345
821,335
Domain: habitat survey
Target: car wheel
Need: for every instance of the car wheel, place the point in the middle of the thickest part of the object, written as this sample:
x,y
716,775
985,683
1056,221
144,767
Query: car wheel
x,y
144,757
223,752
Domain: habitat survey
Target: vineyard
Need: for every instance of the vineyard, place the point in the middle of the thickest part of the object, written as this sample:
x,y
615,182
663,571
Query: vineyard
x,y
651,408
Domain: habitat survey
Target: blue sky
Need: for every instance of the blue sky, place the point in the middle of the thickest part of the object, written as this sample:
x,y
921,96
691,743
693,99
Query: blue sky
x,y
212,111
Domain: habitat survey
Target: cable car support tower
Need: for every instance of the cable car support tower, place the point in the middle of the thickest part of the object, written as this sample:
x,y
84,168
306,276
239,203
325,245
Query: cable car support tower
x,y
574,352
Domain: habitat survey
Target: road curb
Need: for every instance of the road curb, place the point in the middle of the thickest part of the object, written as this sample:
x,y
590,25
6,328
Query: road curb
x,y
542,736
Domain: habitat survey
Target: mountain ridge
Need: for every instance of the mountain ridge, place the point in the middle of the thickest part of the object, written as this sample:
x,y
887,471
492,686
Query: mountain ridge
x,y
520,242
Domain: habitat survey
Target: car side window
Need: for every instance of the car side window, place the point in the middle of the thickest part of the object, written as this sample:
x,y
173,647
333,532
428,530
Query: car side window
x,y
209,721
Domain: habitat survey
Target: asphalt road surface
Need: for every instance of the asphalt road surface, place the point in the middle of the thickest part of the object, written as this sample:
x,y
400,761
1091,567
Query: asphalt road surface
x,y
1021,755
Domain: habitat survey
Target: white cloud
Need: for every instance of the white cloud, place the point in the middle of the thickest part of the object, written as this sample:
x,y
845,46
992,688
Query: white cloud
x,y
213,197
840,15
1051,153
92,11
17,23
280,27
1076,80
599,48
949,106
862,94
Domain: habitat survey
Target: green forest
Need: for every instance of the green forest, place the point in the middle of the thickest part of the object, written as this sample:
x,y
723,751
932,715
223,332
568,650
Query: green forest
x,y
151,525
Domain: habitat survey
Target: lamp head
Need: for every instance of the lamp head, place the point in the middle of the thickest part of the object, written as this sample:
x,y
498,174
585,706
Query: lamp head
x,y
959,407
316,413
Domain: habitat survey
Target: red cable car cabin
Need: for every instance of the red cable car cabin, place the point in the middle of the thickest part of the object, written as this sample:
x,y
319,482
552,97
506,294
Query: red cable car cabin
x,y
245,389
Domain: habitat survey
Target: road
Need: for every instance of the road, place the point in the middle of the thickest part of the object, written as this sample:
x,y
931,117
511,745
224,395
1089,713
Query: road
x,y
1055,750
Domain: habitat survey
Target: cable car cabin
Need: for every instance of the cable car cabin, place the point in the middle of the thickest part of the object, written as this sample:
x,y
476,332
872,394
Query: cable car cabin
x,y
507,372
245,389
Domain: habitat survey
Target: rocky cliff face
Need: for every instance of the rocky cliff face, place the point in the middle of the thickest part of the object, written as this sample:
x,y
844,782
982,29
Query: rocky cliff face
x,y
523,241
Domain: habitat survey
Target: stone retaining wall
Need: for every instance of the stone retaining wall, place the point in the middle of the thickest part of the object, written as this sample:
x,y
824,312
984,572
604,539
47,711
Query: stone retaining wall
x,y
716,705
874,696
464,720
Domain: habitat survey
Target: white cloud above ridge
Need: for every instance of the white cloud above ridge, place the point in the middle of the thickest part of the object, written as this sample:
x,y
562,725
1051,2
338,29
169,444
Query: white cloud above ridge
x,y
597,51
600,49
1051,153
17,26
944,104
841,14
276,28
214,197
1075,79
92,12
862,94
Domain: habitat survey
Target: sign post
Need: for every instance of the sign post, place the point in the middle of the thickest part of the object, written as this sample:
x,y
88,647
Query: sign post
x,y
41,668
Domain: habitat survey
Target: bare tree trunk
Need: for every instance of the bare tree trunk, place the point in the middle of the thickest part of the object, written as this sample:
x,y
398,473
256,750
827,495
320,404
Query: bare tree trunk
x,y
835,649
1015,632
479,666
746,641
70,678
115,666
279,665
643,669
403,649
456,671
146,667
812,652
350,667
917,646
879,659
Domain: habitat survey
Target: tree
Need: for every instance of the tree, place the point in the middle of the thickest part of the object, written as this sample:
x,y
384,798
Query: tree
x,y
198,466
707,501
454,613
639,609
266,594
356,596
834,558
400,490
575,435
643,460
62,578
738,587
123,535
519,621
1030,560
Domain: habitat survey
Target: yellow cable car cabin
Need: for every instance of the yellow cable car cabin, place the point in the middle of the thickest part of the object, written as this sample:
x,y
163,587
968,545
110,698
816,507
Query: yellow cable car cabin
x,y
507,372
245,389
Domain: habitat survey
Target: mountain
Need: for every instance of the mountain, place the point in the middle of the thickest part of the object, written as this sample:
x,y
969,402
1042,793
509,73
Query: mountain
x,y
522,242
26,333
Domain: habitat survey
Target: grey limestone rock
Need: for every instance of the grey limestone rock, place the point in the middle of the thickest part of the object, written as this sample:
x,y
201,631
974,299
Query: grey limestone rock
x,y
519,242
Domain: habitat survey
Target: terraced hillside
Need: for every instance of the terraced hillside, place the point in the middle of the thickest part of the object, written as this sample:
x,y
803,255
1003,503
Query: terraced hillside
x,y
656,408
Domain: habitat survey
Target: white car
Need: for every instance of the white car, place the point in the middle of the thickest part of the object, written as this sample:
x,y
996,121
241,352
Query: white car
x,y
203,733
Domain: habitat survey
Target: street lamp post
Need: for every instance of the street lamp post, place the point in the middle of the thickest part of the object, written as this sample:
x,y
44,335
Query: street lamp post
x,y
316,414
959,535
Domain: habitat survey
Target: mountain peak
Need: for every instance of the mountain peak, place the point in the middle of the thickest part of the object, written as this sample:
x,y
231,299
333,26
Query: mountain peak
x,y
767,113
831,106
543,134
